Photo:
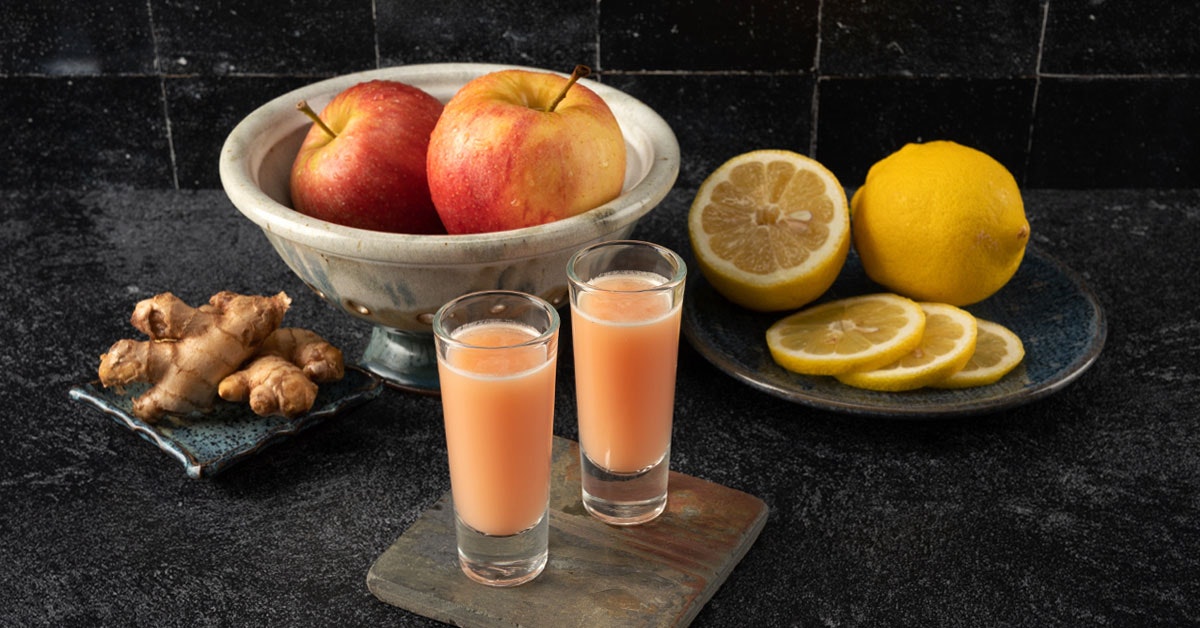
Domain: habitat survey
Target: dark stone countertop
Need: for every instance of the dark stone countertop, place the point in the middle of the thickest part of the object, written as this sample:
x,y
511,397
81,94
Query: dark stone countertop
x,y
1079,509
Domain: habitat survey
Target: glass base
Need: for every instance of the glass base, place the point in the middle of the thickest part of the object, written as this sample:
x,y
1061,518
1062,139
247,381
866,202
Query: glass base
x,y
503,561
625,499
404,359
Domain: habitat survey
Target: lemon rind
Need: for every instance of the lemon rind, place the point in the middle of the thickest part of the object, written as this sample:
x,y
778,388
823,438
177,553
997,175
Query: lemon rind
x,y
986,377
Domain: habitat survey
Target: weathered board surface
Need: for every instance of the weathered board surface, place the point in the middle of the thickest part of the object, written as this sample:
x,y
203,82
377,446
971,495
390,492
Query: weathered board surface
x,y
657,574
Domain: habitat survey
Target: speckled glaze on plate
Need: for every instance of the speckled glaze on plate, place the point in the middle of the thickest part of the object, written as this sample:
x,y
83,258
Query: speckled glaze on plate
x,y
207,444
1046,304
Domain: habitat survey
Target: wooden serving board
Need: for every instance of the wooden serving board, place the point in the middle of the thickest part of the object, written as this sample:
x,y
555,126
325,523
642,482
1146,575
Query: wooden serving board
x,y
657,574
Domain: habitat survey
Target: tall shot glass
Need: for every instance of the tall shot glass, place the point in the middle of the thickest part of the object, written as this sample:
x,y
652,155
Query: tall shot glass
x,y
496,354
626,300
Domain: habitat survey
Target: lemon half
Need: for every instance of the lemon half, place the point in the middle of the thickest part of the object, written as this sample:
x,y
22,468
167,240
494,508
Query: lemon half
x,y
770,229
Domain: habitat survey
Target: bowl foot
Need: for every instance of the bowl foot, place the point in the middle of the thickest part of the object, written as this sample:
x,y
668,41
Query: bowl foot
x,y
405,360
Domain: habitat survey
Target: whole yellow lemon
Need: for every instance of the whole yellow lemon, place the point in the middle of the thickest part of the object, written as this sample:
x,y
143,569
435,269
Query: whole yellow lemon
x,y
939,222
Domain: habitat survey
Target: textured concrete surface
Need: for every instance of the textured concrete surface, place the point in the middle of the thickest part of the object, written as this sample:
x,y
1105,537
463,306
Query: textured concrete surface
x,y
1080,509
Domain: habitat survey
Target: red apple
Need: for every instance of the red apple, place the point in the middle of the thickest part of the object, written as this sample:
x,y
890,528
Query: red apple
x,y
362,163
517,148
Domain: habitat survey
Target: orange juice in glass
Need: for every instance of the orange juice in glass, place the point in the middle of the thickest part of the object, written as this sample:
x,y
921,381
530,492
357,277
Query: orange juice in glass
x,y
626,301
496,355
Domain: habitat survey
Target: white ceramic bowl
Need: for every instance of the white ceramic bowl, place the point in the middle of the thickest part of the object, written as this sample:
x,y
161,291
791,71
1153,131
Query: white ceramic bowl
x,y
397,281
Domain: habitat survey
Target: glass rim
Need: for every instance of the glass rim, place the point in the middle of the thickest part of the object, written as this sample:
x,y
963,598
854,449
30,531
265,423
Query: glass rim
x,y
671,283
441,335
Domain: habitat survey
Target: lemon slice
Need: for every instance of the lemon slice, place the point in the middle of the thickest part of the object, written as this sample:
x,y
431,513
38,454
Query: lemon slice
x,y
946,345
854,333
997,351
770,229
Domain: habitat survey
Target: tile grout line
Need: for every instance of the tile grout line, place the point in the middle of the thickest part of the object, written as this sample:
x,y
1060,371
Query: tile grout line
x,y
1037,88
1169,76
908,77
375,30
162,91
596,17
815,107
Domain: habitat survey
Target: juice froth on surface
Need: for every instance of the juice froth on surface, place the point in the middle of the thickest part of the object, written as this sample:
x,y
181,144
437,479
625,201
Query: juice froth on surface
x,y
626,348
498,402
499,349
635,300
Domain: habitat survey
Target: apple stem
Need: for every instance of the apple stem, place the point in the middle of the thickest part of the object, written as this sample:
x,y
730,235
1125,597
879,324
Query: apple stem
x,y
579,72
308,111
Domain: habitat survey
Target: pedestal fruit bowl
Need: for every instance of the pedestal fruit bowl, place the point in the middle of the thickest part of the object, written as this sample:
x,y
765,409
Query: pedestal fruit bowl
x,y
397,281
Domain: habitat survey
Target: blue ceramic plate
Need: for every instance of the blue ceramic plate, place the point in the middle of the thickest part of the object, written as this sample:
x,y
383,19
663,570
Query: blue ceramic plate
x,y
209,443
1046,304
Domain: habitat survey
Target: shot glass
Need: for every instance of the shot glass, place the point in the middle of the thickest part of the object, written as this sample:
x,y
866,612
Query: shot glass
x,y
496,354
626,300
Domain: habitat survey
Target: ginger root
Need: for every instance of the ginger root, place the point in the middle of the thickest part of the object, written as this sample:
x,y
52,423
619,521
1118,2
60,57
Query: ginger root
x,y
190,349
282,377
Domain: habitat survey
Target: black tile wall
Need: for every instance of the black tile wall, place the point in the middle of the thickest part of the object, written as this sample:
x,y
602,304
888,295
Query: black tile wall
x,y
864,120
61,38
1125,133
200,104
555,35
73,132
971,39
715,35
1066,93
310,38
715,117
1088,37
